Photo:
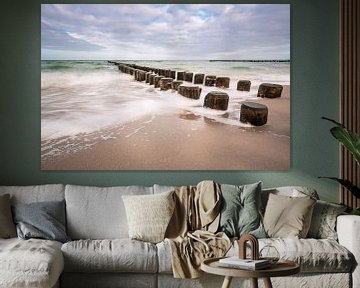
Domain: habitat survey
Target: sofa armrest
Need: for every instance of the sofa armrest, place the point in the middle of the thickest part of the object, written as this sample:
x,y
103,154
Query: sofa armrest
x,y
348,230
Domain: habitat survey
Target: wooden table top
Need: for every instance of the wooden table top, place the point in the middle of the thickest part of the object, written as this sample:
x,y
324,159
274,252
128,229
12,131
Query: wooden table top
x,y
281,268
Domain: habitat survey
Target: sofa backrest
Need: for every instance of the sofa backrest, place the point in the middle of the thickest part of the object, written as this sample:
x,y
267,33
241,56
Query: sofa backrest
x,y
98,213
163,188
36,193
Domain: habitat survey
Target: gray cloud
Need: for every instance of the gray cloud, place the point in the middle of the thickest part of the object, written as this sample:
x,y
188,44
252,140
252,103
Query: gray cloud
x,y
56,39
158,31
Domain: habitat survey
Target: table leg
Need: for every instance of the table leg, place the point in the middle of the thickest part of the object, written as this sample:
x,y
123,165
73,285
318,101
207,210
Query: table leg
x,y
254,282
267,283
227,282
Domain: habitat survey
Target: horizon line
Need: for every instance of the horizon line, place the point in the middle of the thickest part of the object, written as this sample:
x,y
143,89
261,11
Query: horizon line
x,y
210,60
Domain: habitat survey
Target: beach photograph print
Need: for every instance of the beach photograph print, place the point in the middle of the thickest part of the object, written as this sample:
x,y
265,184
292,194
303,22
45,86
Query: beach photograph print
x,y
165,86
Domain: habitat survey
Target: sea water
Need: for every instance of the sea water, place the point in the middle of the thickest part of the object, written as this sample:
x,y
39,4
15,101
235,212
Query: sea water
x,y
84,102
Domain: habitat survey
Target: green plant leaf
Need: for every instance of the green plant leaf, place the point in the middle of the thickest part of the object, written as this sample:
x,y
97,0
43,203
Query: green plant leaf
x,y
355,211
349,139
333,121
347,184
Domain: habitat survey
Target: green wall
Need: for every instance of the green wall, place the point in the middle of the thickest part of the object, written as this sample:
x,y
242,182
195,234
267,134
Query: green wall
x,y
314,93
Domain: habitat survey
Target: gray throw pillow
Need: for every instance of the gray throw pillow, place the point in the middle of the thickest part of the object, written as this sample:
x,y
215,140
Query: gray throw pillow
x,y
240,213
43,220
323,222
7,226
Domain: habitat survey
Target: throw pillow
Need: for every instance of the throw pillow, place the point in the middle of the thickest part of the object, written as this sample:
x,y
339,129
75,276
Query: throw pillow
x,y
240,213
7,227
149,215
288,217
323,222
43,220
292,191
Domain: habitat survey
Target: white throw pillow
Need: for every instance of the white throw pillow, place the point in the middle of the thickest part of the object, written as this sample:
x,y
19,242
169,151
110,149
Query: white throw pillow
x,y
149,215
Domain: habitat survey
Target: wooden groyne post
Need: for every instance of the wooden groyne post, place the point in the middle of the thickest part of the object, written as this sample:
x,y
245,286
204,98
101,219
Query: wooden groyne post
x,y
269,90
243,85
157,81
192,92
175,84
165,83
199,78
189,76
222,82
253,113
210,80
216,100
180,76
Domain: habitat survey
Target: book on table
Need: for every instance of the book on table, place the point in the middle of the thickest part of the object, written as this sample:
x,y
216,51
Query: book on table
x,y
236,262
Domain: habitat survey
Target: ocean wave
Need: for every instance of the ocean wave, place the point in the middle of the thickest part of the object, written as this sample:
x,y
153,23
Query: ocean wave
x,y
57,67
241,68
83,66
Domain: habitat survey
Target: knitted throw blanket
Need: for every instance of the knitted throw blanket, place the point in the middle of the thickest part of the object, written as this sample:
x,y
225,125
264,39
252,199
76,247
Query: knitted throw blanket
x,y
191,231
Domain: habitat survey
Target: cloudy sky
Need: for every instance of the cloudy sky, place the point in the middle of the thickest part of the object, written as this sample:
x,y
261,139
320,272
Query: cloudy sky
x,y
165,31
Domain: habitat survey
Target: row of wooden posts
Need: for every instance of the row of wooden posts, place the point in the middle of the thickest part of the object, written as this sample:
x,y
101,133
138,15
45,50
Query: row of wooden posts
x,y
165,79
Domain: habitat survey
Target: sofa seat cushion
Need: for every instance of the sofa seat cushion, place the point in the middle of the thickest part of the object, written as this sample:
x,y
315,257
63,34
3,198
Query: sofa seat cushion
x,y
30,263
115,255
313,255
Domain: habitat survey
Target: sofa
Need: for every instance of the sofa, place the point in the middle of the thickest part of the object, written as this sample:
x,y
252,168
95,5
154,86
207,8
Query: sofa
x,y
101,254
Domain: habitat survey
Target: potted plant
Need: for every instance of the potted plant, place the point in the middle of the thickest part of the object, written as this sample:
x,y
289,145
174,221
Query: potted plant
x,y
351,141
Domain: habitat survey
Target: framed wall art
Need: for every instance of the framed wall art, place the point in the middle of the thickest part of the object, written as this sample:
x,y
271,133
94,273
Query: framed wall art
x,y
165,86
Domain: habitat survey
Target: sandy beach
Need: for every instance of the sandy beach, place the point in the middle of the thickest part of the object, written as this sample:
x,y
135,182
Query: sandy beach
x,y
186,141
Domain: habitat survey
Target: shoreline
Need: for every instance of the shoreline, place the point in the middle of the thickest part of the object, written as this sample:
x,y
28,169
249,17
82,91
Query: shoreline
x,y
186,141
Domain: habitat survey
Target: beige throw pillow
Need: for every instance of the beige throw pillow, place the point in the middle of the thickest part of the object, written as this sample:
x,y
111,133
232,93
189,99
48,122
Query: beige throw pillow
x,y
7,226
149,215
288,217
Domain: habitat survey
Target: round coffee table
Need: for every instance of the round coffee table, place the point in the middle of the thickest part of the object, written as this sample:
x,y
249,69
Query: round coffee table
x,y
281,268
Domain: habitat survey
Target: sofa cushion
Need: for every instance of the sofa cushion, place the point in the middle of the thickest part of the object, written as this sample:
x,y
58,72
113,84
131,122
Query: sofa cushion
x,y
323,222
291,191
7,226
287,216
149,215
164,257
30,263
117,255
43,220
240,210
313,255
37,193
98,213
163,188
